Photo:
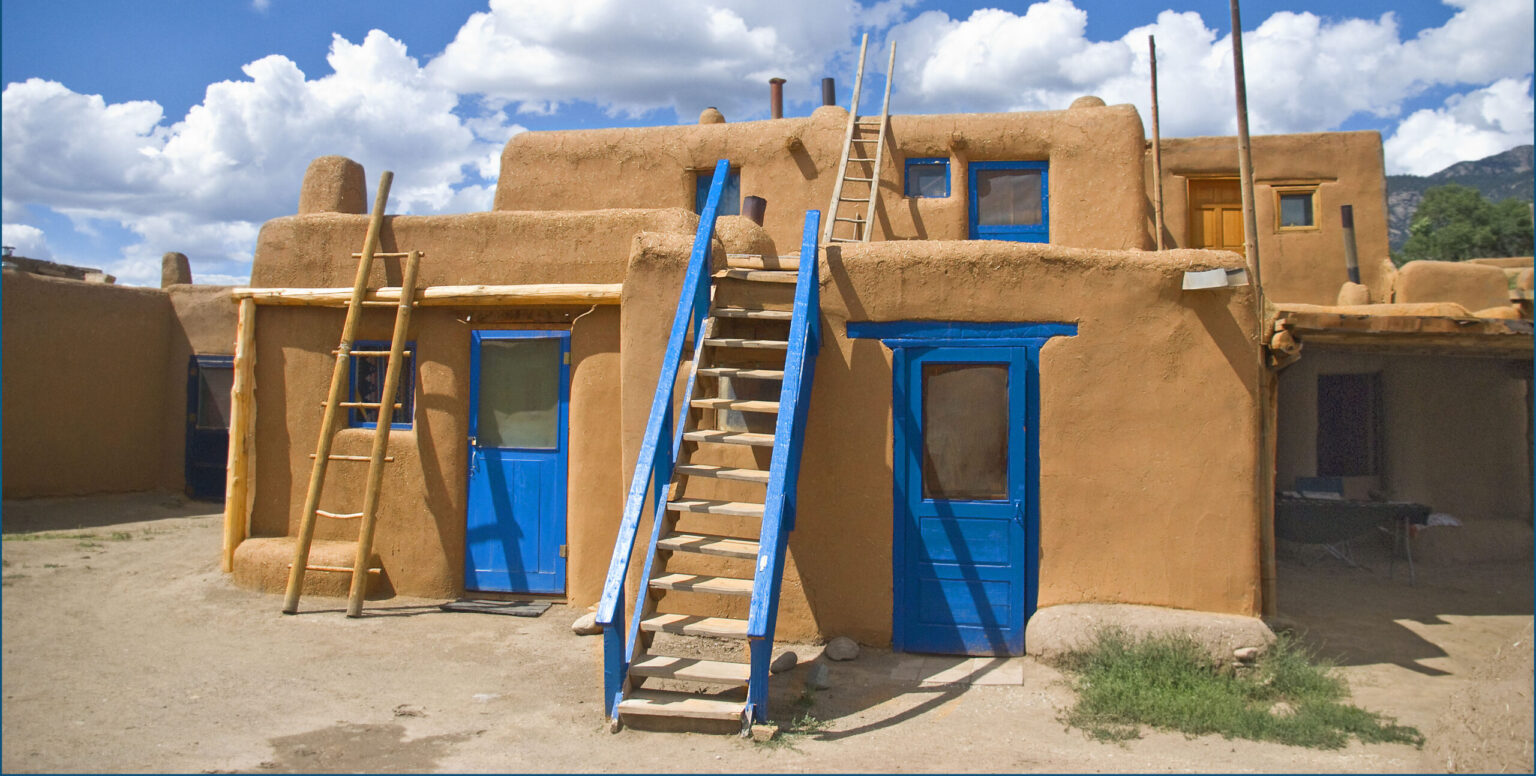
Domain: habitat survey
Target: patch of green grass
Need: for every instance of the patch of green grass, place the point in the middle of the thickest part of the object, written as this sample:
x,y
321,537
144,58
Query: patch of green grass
x,y
120,536
803,722
38,537
1171,683
6,580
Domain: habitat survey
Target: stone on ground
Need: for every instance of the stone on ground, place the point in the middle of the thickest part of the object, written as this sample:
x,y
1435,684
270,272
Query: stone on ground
x,y
586,625
841,648
783,662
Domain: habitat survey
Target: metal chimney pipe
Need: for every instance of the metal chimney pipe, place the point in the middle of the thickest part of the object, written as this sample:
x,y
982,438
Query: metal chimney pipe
x,y
776,97
828,91
1351,258
754,208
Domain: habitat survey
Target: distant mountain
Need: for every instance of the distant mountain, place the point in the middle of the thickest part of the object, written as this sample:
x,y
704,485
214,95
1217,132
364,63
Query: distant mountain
x,y
1498,177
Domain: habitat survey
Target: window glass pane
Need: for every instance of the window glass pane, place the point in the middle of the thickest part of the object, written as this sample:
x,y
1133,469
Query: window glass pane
x,y
370,383
965,431
928,180
214,386
1296,209
730,196
1008,197
519,394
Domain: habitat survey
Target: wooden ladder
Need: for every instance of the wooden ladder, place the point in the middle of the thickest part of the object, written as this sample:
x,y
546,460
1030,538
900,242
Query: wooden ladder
x,y
742,342
336,404
859,211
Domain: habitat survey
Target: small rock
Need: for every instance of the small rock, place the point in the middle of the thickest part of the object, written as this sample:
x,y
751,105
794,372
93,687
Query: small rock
x,y
586,625
819,678
783,662
762,734
1246,654
841,648
407,710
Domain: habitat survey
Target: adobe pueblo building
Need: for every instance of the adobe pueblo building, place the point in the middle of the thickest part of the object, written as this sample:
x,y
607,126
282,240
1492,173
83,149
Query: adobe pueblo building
x,y
920,418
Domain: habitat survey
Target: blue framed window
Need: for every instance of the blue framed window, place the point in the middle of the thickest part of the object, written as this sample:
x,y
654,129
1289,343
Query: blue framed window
x,y
927,177
1010,201
368,383
730,198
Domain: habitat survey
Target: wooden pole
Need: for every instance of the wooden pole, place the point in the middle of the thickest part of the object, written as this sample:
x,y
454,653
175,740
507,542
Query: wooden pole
x,y
1157,149
338,394
238,482
381,439
444,296
1264,477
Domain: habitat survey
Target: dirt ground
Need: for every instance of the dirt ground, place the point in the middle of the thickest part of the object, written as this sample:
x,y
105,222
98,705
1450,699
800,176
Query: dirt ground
x,y
125,649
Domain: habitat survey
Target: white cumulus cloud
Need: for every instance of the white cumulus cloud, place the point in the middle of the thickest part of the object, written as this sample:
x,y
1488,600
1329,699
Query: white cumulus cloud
x,y
29,241
1469,126
204,184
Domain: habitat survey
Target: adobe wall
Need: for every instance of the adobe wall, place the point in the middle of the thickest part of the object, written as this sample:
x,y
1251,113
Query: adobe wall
x,y
1299,266
1473,286
1096,189
420,536
84,372
1147,428
205,325
1456,429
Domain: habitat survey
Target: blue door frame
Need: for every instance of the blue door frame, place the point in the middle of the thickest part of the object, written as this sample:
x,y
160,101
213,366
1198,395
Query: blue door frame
x,y
1039,233
516,506
965,573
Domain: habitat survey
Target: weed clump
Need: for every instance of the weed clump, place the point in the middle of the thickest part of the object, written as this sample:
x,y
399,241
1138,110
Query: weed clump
x,y
1170,682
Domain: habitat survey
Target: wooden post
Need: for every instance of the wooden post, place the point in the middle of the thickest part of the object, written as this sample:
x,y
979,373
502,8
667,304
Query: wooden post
x,y
339,385
238,482
1264,477
1157,150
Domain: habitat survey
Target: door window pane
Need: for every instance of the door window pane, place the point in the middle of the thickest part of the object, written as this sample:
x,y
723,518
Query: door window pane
x,y
519,393
214,387
730,194
1008,198
965,431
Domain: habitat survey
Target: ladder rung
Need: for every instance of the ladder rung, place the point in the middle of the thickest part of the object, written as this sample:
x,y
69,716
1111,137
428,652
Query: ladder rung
x,y
700,583
845,239
850,220
853,199
376,352
743,312
740,372
738,405
339,515
690,669
721,472
759,275
380,255
387,458
856,159
376,303
868,123
718,437
340,569
723,342
716,507
367,405
864,139
706,544
861,180
694,625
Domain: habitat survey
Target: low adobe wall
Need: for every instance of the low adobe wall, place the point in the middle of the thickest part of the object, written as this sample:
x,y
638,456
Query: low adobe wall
x,y
1147,428
1299,266
85,386
1096,190
1473,286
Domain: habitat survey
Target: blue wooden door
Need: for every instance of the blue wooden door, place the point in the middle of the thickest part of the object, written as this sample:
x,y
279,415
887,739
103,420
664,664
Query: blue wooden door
x,y
519,401
964,550
209,380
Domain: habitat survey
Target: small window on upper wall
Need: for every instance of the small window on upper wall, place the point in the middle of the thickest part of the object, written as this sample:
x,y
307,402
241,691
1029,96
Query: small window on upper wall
x,y
927,178
368,383
730,196
1295,208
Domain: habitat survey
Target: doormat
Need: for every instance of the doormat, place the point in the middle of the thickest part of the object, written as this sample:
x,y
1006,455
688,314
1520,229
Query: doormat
x,y
515,608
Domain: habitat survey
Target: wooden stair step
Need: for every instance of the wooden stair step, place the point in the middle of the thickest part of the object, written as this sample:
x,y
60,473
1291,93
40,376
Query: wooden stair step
x,y
742,372
704,544
736,342
660,703
690,669
786,261
694,625
758,275
715,507
744,312
699,583
738,405
722,472
716,436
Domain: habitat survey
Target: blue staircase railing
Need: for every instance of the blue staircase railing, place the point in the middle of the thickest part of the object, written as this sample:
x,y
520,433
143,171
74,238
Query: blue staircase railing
x,y
658,454
784,471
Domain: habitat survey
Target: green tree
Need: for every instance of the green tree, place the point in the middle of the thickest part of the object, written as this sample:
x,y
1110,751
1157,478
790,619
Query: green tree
x,y
1455,222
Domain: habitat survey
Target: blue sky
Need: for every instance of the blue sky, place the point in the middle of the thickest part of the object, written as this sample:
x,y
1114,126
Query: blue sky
x,y
133,128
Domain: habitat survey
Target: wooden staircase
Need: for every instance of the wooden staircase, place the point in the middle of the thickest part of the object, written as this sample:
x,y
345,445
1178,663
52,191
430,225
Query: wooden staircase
x,y
724,491
863,154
